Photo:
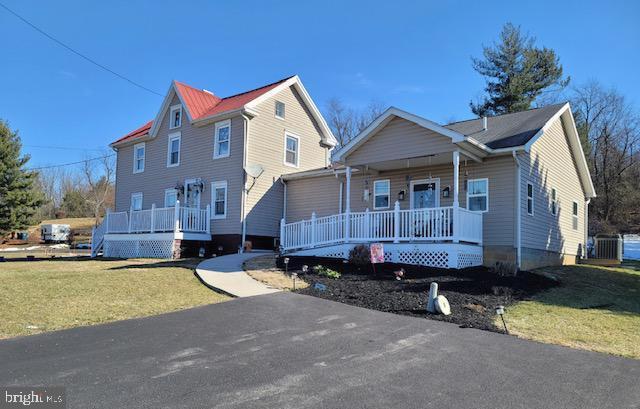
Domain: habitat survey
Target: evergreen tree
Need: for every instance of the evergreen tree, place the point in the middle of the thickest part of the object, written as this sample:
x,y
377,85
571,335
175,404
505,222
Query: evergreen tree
x,y
19,198
516,72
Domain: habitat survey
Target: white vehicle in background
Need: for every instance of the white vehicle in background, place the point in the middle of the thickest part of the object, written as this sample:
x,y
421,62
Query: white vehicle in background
x,y
55,233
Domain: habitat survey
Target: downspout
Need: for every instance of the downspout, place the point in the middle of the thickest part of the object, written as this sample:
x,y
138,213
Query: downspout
x,y
244,182
284,204
585,253
518,211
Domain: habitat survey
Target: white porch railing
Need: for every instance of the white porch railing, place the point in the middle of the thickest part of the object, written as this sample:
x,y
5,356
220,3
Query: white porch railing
x,y
157,220
431,224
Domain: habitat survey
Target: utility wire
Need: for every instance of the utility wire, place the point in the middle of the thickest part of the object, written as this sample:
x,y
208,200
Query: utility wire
x,y
52,38
66,148
72,163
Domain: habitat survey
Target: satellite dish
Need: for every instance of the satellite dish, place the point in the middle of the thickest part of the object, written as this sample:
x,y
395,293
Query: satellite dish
x,y
254,170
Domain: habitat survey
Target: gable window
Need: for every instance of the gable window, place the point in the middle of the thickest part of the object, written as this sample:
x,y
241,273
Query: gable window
x,y
170,197
279,110
222,141
478,195
530,199
138,157
219,199
175,117
554,202
575,216
381,189
291,149
136,201
173,150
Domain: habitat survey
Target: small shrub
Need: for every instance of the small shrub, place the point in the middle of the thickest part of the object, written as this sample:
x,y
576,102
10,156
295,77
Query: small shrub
x,y
326,272
360,255
505,269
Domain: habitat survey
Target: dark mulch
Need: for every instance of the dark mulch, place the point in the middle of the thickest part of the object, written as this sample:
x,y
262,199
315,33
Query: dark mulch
x,y
473,293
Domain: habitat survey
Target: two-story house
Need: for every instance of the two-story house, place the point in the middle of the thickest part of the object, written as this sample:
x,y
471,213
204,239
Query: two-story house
x,y
205,172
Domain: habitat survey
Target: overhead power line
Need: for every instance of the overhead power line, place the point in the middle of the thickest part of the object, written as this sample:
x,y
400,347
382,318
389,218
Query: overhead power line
x,y
66,148
79,54
72,163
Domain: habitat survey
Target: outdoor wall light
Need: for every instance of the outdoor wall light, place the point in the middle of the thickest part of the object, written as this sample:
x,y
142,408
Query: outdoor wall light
x,y
401,195
446,191
500,312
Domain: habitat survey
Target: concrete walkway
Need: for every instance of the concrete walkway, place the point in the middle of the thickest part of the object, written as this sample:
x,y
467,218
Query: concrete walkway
x,y
225,273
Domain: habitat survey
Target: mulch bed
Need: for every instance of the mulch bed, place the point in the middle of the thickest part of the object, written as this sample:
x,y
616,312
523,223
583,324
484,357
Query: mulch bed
x,y
473,293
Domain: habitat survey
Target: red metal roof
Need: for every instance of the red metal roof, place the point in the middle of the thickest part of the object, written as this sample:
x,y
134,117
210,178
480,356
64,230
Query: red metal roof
x,y
202,104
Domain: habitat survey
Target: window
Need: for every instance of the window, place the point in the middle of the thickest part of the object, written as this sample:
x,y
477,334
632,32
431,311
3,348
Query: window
x,y
381,189
279,110
554,202
138,158
136,201
530,199
173,151
175,117
219,199
170,197
222,142
478,195
291,149
575,215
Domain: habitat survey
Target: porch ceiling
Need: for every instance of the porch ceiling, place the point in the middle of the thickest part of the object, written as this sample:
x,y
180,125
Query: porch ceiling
x,y
416,162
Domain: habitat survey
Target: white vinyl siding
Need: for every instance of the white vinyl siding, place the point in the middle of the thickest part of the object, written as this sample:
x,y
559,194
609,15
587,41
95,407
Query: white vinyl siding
x,y
291,150
478,195
170,197
530,202
175,117
139,157
136,201
222,139
173,149
381,194
219,199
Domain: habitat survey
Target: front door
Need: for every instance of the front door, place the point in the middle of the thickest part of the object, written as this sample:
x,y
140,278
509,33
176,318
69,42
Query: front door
x,y
425,193
191,193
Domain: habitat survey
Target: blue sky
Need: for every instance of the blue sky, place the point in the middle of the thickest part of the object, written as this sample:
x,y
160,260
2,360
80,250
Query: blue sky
x,y
413,55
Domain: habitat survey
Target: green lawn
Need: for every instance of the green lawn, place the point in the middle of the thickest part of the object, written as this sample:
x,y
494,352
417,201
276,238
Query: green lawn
x,y
595,308
39,296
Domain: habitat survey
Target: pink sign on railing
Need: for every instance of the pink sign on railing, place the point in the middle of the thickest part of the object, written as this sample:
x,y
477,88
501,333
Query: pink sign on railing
x,y
377,253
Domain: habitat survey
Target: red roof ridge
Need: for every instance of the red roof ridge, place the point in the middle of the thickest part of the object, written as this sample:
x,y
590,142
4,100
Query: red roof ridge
x,y
259,88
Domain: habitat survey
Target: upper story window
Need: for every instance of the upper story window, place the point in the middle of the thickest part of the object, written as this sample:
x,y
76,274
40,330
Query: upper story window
x,y
138,157
575,215
291,150
279,110
175,117
381,194
478,195
173,150
530,199
219,199
554,202
170,197
136,201
222,139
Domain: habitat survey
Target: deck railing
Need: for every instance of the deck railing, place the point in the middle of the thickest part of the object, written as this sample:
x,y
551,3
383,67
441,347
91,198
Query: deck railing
x,y
429,224
158,220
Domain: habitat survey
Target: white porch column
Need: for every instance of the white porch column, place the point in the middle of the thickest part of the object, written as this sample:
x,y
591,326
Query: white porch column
x,y
347,205
176,217
313,229
153,217
130,218
208,221
456,188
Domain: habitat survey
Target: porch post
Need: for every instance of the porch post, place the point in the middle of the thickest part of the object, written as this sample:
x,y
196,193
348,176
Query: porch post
x,y
347,205
396,222
282,238
153,217
130,218
208,221
313,229
106,222
456,188
176,217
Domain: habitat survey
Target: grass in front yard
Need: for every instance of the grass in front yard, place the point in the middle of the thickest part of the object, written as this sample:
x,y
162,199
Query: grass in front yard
x,y
596,308
263,268
39,296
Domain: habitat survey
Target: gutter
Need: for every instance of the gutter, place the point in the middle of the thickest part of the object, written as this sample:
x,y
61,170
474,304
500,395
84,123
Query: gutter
x,y
518,212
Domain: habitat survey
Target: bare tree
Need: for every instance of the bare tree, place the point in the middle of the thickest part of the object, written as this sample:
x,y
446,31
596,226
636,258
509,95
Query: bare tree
x,y
347,122
98,176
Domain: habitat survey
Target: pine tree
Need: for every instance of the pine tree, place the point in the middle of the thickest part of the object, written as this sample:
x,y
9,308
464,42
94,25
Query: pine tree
x,y
517,72
19,197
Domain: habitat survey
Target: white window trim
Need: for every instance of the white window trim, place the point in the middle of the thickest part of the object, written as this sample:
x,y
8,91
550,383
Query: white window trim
x,y
388,181
173,109
478,195
284,160
532,199
137,194
170,190
554,209
276,110
575,216
135,157
172,137
214,186
219,125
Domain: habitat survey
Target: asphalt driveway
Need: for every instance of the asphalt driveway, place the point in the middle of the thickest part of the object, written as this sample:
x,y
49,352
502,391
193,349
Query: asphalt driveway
x,y
291,351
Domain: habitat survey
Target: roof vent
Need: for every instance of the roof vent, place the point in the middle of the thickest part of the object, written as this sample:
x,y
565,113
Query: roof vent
x,y
484,123
207,91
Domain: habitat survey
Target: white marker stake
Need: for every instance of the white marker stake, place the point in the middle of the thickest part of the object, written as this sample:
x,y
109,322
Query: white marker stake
x,y
433,293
